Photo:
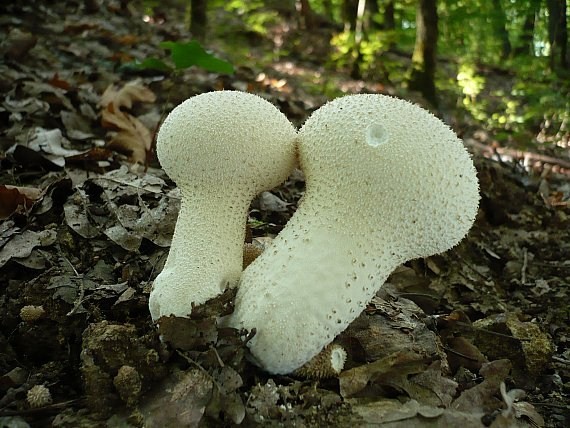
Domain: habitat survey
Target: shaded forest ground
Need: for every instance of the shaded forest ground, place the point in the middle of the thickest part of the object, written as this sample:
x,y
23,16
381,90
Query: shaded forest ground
x,y
85,232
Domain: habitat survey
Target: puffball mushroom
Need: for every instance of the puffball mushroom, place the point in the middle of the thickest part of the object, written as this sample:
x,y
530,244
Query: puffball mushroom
x,y
221,149
386,182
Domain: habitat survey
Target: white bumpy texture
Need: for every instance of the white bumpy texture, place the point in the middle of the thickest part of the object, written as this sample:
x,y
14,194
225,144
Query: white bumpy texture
x,y
386,182
221,149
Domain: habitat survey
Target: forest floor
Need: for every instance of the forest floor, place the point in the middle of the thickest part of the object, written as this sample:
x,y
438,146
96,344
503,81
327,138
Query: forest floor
x,y
478,336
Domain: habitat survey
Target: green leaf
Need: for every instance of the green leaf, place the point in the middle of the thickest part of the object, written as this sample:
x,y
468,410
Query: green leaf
x,y
185,55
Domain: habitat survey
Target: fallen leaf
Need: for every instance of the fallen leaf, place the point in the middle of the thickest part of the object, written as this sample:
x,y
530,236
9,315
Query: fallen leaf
x,y
391,370
462,353
50,143
269,202
21,246
125,96
18,43
482,396
77,216
442,389
178,401
132,137
523,343
17,199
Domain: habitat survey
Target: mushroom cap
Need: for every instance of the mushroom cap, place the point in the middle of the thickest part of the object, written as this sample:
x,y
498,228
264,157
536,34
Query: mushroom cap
x,y
227,139
390,167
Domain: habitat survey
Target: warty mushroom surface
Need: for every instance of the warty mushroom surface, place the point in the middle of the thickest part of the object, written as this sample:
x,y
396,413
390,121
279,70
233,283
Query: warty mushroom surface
x,y
221,149
386,182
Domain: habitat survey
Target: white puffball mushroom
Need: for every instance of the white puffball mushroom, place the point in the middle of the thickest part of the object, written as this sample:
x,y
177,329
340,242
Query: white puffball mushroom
x,y
38,396
221,149
386,182
32,313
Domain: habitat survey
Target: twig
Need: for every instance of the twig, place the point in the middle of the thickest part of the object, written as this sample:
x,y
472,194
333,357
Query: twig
x,y
467,357
519,154
556,406
472,268
54,406
561,360
220,362
79,299
524,266
65,259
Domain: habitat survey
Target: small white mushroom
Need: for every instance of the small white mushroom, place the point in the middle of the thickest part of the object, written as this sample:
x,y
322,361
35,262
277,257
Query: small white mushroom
x,y
221,149
386,182
326,364
32,313
39,396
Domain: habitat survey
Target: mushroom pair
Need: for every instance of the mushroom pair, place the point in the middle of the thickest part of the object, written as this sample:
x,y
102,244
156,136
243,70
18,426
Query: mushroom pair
x,y
386,182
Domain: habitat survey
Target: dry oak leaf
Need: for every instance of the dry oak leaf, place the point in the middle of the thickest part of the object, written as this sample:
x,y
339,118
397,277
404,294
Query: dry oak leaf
x,y
125,96
133,138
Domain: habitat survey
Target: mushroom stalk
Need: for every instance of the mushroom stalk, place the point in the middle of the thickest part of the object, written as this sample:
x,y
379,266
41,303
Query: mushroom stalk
x,y
330,290
215,253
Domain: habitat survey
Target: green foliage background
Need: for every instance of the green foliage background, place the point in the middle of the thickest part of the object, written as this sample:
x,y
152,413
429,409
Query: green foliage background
x,y
516,94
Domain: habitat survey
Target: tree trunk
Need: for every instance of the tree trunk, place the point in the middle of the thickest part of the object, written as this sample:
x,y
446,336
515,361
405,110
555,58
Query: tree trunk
x,y
358,37
500,27
349,12
198,18
557,31
526,41
389,20
422,76
374,11
307,14
328,6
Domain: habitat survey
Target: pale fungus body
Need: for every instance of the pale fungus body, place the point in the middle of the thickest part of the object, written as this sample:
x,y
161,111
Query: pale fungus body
x,y
386,182
326,364
39,396
221,149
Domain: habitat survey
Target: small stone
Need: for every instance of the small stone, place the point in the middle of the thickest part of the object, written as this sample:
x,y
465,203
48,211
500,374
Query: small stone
x,y
128,384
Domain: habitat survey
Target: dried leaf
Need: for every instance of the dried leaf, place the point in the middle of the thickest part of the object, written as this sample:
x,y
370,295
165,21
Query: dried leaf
x,y
77,218
133,138
187,334
462,353
77,126
442,389
125,96
7,230
505,336
21,245
17,199
391,370
482,396
18,43
268,202
178,401
50,143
